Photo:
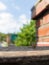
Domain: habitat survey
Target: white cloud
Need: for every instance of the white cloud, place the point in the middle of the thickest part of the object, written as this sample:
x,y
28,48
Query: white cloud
x,y
8,24
23,19
2,6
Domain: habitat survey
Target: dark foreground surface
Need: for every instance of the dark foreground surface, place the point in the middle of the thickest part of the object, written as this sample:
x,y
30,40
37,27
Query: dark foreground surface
x,y
44,62
39,60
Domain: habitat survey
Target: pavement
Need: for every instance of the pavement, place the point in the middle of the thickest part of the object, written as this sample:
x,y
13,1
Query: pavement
x,y
22,48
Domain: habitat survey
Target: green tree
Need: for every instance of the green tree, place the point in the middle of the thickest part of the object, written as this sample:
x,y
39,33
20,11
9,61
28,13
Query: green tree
x,y
27,34
2,36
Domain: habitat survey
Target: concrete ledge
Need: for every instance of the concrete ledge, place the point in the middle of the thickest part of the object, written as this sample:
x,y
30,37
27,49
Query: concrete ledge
x,y
9,54
23,56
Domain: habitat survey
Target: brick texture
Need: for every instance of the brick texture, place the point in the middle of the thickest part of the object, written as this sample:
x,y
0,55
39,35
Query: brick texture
x,y
42,45
43,20
43,39
46,19
44,31
40,7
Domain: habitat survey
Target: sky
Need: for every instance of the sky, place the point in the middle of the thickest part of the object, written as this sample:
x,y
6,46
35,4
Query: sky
x,y
14,14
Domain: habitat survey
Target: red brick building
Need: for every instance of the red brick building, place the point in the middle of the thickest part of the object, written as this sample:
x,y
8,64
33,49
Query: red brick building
x,y
40,13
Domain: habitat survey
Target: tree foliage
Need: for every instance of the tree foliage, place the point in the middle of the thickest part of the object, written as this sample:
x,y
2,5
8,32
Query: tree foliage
x,y
27,34
2,36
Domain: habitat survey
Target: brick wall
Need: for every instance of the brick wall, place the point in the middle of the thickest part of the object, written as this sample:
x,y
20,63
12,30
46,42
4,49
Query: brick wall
x,y
39,8
43,29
